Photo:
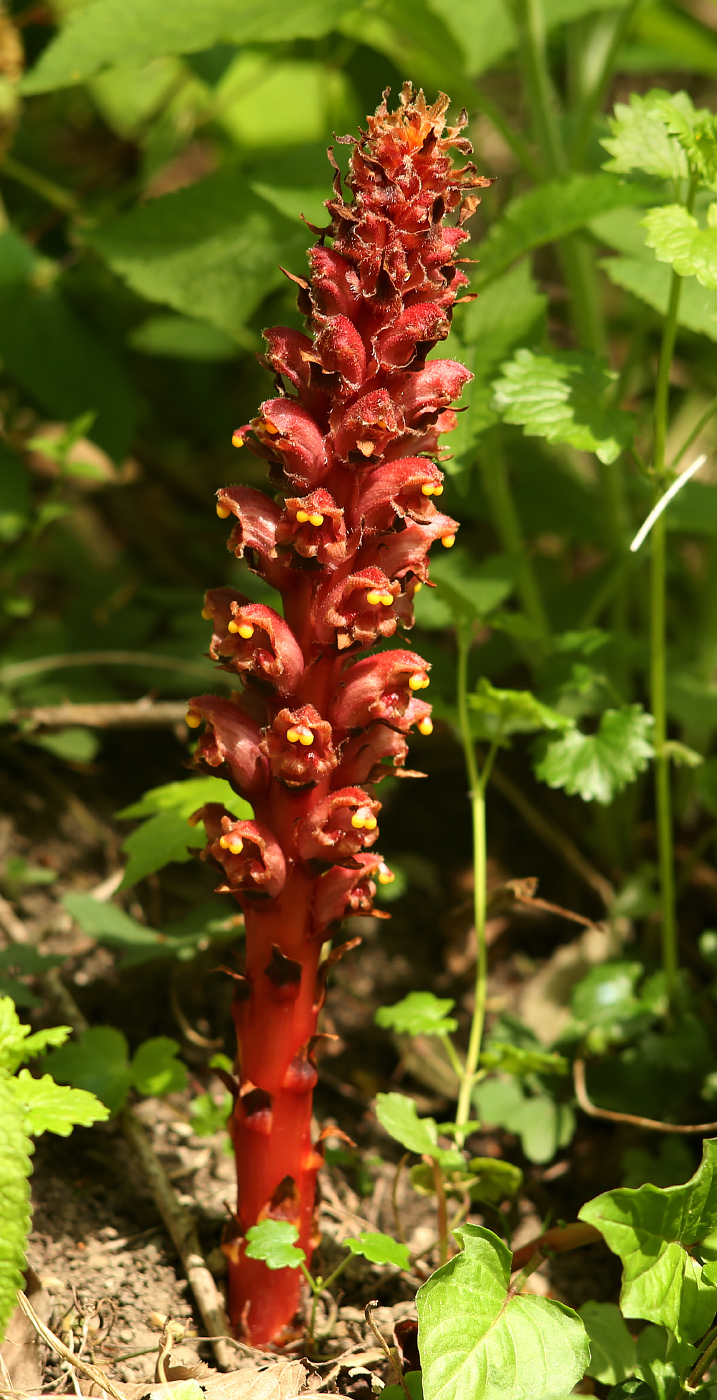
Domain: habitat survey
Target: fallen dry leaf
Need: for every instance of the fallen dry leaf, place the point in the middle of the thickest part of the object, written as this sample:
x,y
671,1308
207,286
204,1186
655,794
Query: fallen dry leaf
x,y
282,1381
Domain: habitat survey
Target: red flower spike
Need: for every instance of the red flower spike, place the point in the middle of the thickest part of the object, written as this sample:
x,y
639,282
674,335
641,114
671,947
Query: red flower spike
x,y
351,437
231,737
299,748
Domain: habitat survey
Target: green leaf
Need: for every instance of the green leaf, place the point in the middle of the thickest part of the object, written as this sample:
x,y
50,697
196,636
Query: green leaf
x,y
167,835
380,1249
662,1362
650,281
508,311
494,1180
185,797
478,1341
562,396
15,497
612,1350
654,1231
397,1114
17,1044
420,1013
597,766
74,745
53,1108
97,1061
678,240
541,1124
640,137
110,924
209,1117
156,1069
517,1060
605,1005
505,712
141,30
273,1241
211,251
548,213
414,1382
15,1152
183,338
669,39
471,590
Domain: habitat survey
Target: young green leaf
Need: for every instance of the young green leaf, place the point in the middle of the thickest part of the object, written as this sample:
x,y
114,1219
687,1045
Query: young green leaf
x,y
541,1124
473,590
97,1061
420,1013
678,239
397,1114
562,396
504,712
166,834
274,1242
17,1044
513,1059
53,1108
640,137
155,1068
597,766
494,1180
662,1363
209,1117
650,281
612,1350
478,1341
15,1152
654,1231
604,1000
380,1249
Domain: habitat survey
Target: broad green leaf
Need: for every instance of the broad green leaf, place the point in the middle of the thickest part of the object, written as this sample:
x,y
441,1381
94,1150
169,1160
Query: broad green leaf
x,y
397,1114
53,1108
420,1013
156,1069
612,1349
265,101
650,281
494,1180
654,1231
505,712
640,137
183,338
662,1363
597,766
541,1124
274,1242
74,745
606,1007
471,590
141,30
294,202
508,311
97,1061
548,213
211,251
414,1383
166,835
670,38
516,1060
380,1249
416,38
186,797
562,396
110,924
17,1044
15,1152
476,1340
678,239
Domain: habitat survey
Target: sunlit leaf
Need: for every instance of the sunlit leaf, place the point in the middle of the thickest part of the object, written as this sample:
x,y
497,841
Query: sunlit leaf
x,y
15,1167
97,1061
597,766
563,397
398,1115
380,1249
612,1349
274,1242
419,1013
54,1108
505,712
156,1069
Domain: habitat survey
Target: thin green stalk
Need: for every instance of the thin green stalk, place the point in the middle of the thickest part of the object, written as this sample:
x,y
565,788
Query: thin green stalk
x,y
595,96
540,86
47,189
708,413
705,1361
505,516
477,801
512,138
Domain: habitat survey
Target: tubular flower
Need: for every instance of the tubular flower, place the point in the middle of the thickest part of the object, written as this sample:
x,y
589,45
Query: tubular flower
x,y
344,537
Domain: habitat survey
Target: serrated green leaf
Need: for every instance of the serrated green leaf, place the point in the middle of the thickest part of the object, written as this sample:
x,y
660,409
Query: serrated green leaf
x,y
597,766
478,1341
54,1108
274,1242
15,1153
155,1068
211,251
398,1115
505,712
650,281
516,1060
677,239
654,1230
380,1249
141,30
562,396
97,1061
640,137
17,1044
612,1350
419,1013
548,213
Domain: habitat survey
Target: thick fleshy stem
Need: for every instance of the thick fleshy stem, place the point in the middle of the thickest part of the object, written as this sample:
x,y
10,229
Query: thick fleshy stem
x,y
348,437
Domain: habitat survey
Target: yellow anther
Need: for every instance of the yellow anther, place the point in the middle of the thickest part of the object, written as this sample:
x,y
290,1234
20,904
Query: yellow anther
x,y
387,599
237,439
357,821
426,726
225,842
448,541
373,597
370,823
427,489
267,426
418,681
385,876
417,587
206,614
236,846
245,630
232,626
302,517
222,510
438,490
316,519
306,737
293,736
192,719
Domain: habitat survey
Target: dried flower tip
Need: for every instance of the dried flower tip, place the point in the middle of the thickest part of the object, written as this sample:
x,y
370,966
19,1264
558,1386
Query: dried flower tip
x,y
448,541
385,876
364,819
425,726
192,719
418,681
237,438
223,511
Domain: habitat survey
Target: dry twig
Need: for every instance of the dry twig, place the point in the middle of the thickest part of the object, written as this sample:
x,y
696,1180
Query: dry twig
x,y
654,1124
93,1373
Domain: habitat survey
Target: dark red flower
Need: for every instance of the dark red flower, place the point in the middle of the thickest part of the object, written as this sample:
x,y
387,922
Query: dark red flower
x,y
339,826
379,687
252,638
231,737
314,526
246,851
356,610
299,748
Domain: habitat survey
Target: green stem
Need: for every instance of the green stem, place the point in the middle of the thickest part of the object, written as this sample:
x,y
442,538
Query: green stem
x,y
47,189
441,1207
595,96
708,413
540,86
695,1377
512,138
507,523
477,801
